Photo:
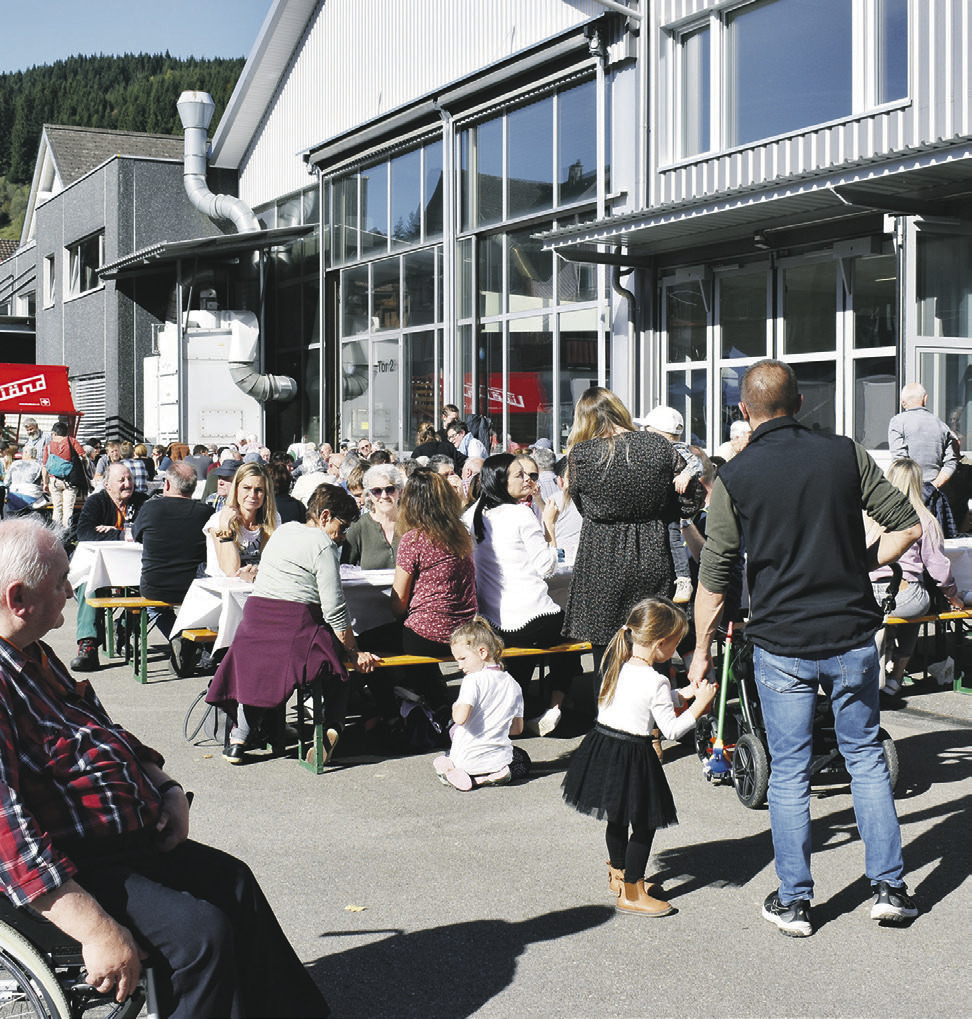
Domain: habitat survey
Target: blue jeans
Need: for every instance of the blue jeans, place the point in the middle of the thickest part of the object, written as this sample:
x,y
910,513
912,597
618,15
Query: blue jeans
x,y
788,694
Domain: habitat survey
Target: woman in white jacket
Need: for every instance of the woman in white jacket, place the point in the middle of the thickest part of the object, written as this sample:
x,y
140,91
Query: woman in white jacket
x,y
514,554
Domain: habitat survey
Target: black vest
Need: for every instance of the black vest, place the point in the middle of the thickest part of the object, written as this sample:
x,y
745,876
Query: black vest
x,y
798,497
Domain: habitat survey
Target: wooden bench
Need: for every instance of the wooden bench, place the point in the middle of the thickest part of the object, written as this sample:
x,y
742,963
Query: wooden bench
x,y
131,606
957,616
199,636
310,751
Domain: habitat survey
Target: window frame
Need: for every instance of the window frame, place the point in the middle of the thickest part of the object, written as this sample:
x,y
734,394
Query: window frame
x,y
865,75
78,266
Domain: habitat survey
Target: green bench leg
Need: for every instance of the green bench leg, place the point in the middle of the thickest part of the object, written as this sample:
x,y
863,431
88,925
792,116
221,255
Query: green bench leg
x,y
140,654
316,747
109,631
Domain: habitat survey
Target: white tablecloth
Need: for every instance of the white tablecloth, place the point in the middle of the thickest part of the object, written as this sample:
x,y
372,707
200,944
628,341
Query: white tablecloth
x,y
106,564
959,552
216,603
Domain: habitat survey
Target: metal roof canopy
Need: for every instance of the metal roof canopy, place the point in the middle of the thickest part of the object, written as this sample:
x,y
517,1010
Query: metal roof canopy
x,y
920,185
157,258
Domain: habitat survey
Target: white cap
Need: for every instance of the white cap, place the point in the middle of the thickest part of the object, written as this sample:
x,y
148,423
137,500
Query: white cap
x,y
738,428
665,419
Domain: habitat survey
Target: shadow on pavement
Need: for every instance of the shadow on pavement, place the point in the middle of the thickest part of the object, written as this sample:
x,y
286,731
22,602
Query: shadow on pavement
x,y
443,971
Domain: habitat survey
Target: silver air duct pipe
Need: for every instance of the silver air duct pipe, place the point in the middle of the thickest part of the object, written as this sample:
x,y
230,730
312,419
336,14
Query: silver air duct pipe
x,y
196,111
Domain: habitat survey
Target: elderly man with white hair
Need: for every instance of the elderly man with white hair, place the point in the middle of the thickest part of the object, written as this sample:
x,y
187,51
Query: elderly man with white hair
x,y
107,515
94,833
918,435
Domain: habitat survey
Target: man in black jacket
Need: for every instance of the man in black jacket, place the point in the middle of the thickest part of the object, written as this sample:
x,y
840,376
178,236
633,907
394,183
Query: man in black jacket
x,y
796,496
107,515
173,544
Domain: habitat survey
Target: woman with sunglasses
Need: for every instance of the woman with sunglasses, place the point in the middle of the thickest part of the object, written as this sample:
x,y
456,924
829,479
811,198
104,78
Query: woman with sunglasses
x,y
533,499
295,627
371,542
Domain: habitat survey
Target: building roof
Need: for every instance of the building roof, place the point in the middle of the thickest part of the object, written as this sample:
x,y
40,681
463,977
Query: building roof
x,y
79,150
7,248
67,153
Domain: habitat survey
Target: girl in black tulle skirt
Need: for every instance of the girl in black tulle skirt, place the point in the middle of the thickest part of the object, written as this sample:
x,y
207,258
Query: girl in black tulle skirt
x,y
615,773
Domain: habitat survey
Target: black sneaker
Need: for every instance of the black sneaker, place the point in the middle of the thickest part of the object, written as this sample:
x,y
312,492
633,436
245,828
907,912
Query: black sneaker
x,y
87,660
235,753
892,904
792,919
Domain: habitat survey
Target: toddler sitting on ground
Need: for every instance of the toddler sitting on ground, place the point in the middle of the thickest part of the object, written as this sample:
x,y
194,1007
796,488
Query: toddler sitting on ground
x,y
487,712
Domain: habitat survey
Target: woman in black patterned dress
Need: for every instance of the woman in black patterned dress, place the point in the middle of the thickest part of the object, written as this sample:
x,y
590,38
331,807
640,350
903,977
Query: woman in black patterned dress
x,y
621,481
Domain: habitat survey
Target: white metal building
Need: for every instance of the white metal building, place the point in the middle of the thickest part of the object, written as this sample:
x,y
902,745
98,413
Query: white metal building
x,y
519,198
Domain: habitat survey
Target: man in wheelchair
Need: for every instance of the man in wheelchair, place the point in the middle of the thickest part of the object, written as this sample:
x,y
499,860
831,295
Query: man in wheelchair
x,y
94,834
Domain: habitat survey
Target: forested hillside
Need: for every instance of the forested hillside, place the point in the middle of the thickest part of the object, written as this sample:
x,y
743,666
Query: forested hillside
x,y
134,92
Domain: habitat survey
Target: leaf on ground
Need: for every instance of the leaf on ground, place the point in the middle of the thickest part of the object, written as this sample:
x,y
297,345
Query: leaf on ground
x,y
355,909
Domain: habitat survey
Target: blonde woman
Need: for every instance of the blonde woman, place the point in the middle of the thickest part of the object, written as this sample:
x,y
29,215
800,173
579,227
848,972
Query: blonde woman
x,y
236,535
621,481
913,599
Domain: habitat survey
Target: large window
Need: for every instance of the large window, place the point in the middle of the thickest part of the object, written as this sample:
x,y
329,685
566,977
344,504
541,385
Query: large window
x,y
83,260
833,319
531,159
392,204
784,65
536,341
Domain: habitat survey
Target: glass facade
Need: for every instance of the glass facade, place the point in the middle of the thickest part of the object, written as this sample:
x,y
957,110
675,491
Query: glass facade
x,y
524,331
834,320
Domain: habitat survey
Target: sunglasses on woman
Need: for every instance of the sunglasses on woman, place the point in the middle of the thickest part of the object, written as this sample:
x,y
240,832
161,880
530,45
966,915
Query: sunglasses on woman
x,y
532,477
388,490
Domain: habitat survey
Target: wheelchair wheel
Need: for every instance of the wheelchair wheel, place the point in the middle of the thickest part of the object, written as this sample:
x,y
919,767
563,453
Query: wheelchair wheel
x,y
890,755
750,771
28,986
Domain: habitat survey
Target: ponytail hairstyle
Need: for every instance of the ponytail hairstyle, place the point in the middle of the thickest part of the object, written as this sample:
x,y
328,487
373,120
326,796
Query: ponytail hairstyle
x,y
650,623
478,633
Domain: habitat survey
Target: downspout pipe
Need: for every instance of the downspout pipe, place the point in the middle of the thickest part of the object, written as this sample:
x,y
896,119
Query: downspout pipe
x,y
196,112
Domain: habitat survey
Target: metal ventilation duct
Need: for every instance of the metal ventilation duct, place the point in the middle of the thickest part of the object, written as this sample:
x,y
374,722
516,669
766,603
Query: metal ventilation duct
x,y
196,112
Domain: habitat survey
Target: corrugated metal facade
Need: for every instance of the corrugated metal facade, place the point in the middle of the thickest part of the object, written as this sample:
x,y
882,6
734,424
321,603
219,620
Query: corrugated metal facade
x,y
938,111
362,58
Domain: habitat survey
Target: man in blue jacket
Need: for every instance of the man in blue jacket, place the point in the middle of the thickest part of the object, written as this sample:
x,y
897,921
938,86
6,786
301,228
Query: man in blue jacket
x,y
795,496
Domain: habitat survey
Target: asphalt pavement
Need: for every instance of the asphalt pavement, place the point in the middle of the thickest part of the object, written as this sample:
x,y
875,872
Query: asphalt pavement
x,y
408,898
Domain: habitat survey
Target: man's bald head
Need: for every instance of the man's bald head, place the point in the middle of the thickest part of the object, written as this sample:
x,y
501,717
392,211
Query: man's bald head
x,y
769,389
913,395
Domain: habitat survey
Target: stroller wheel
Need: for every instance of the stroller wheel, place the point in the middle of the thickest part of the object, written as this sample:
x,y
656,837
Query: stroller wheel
x,y
750,771
890,755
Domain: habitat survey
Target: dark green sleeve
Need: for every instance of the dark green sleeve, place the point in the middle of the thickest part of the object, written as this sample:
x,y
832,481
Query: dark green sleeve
x,y
722,541
880,499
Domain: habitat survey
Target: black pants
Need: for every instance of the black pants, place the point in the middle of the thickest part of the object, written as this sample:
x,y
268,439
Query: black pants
x,y
544,631
218,950
629,854
425,680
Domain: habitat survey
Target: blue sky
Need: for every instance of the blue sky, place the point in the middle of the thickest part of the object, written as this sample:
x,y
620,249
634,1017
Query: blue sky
x,y
43,31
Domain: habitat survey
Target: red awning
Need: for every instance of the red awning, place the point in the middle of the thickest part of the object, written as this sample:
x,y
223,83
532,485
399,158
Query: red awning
x,y
35,389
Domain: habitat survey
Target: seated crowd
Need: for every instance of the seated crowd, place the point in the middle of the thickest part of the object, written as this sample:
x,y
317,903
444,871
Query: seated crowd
x,y
468,530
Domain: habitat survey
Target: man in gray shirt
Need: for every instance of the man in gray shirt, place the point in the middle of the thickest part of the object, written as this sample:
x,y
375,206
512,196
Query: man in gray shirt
x,y
918,434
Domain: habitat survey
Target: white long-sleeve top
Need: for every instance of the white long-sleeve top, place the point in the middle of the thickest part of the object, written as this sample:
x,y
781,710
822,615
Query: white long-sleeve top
x,y
643,699
512,561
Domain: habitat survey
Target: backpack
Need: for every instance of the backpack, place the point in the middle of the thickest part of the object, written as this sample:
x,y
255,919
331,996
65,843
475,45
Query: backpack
x,y
58,467
478,426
